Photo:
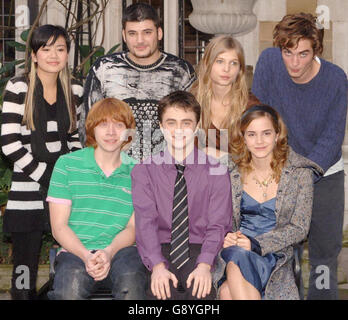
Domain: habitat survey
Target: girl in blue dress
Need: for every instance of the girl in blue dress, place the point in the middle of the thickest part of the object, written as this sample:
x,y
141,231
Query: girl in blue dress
x,y
272,190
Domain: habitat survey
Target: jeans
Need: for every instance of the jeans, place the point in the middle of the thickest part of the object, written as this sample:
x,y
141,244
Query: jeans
x,y
126,278
325,237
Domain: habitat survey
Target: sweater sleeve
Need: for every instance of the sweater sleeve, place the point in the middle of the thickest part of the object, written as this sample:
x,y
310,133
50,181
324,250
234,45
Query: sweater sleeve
x,y
74,141
329,143
93,89
93,92
262,79
188,77
12,134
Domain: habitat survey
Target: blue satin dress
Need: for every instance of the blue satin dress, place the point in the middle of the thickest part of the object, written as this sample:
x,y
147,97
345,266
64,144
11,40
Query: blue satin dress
x,y
256,218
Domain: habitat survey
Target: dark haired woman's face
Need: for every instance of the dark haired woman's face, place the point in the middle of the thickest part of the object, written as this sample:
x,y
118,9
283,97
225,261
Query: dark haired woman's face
x,y
52,57
260,138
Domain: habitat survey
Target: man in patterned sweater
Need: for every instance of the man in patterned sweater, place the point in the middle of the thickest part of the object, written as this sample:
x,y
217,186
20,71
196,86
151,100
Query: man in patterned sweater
x,y
140,76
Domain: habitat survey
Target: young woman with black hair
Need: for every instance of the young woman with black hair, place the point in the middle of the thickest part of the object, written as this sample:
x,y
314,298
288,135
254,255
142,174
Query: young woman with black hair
x,y
39,123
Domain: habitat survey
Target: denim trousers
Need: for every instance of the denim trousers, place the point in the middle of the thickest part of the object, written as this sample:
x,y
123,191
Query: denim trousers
x,y
325,237
126,278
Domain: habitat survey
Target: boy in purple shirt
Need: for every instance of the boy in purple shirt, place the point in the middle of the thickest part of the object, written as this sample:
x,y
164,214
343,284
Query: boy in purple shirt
x,y
180,184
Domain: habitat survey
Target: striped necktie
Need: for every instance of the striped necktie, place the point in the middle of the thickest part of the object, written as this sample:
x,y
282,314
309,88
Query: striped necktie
x,y
179,253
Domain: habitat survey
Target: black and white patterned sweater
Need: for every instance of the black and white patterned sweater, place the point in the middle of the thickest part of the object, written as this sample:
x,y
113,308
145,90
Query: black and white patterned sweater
x,y
25,207
141,87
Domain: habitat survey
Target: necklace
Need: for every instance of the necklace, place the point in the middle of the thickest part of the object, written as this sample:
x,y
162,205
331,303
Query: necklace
x,y
263,184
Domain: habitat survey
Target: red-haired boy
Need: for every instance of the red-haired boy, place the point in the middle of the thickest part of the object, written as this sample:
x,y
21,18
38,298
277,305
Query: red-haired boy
x,y
91,210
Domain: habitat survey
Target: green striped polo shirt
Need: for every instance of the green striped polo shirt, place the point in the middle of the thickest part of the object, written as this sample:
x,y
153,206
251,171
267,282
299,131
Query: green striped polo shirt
x,y
101,206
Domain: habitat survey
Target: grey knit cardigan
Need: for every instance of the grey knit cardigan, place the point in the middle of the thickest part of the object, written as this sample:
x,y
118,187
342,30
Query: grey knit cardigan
x,y
293,210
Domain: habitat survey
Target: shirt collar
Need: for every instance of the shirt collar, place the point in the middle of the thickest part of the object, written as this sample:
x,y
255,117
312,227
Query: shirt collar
x,y
196,157
90,163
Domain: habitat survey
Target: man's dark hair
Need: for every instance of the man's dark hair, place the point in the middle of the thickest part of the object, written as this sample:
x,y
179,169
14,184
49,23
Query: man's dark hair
x,y
179,99
138,12
294,27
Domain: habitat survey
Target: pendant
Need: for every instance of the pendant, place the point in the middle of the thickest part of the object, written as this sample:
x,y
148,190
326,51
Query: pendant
x,y
265,195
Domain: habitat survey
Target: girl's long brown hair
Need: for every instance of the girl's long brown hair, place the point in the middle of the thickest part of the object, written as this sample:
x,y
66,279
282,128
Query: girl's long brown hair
x,y
240,153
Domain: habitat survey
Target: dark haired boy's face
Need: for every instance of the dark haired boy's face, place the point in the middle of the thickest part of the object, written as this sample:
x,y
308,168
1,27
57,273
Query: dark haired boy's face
x,y
178,127
142,41
299,61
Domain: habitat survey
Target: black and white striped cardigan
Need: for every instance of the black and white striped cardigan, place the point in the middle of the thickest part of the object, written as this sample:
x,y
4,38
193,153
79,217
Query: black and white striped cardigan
x,y
25,206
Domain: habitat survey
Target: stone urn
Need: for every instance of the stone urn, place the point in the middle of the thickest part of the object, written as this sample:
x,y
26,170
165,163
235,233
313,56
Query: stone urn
x,y
233,17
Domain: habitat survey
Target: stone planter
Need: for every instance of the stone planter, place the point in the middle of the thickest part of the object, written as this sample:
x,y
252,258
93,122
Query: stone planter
x,y
233,17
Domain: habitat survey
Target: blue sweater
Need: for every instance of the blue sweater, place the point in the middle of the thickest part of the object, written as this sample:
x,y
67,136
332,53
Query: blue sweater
x,y
314,112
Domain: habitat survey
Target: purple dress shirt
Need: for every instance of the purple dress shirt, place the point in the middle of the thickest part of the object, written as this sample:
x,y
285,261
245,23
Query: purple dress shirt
x,y
209,204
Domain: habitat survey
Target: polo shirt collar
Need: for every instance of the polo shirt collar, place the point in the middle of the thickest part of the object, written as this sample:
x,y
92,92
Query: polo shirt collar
x,y
90,163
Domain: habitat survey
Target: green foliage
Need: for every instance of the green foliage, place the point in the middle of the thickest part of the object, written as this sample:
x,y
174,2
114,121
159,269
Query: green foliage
x,y
8,70
6,252
5,177
5,180
85,52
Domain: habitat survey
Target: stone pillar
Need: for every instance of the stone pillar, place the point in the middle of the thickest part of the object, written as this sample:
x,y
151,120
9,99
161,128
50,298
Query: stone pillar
x,y
54,13
113,26
22,22
170,27
223,16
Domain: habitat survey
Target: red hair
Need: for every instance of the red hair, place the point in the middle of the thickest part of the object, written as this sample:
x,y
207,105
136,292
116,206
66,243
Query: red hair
x,y
108,109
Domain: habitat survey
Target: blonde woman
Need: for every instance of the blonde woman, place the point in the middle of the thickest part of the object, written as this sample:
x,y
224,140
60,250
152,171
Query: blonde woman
x,y
272,195
221,90
39,123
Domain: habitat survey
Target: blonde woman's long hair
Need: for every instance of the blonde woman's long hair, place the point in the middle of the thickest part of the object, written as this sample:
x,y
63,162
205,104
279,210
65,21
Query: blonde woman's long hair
x,y
48,34
202,87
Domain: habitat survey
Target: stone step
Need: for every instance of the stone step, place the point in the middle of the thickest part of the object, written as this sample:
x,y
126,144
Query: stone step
x,y
6,274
